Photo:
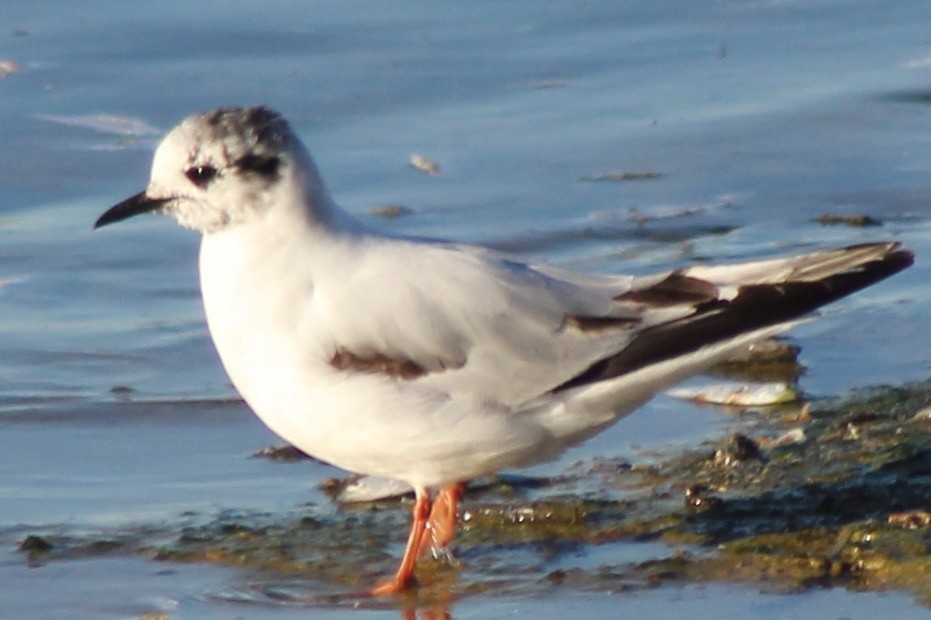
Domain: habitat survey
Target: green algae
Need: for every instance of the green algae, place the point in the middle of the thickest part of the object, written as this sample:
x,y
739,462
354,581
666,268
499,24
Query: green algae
x,y
844,503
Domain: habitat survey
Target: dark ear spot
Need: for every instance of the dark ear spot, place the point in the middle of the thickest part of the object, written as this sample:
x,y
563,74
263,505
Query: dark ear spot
x,y
257,164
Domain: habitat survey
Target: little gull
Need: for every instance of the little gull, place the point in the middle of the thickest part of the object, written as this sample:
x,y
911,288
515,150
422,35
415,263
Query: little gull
x,y
433,362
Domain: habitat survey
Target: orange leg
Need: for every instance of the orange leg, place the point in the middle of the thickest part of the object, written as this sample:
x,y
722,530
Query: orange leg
x,y
441,526
405,574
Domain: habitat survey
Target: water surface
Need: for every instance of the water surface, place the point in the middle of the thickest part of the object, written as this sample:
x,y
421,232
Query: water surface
x,y
758,117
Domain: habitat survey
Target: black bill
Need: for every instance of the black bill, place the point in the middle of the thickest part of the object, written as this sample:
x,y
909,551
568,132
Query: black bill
x,y
134,205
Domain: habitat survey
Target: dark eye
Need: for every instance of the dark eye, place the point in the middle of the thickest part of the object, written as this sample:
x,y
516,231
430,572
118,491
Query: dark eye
x,y
201,175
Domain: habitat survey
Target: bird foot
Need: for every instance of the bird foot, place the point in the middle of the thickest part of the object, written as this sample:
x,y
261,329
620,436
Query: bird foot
x,y
390,587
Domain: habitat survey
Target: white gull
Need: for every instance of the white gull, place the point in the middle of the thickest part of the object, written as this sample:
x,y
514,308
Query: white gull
x,y
433,362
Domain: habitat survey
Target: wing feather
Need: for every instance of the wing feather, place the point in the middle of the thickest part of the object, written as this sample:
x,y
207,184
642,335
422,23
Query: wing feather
x,y
471,320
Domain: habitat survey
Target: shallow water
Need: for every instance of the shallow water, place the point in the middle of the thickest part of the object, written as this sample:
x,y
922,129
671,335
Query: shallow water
x,y
758,117
127,588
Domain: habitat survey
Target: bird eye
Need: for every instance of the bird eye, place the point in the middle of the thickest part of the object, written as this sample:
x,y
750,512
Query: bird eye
x,y
201,175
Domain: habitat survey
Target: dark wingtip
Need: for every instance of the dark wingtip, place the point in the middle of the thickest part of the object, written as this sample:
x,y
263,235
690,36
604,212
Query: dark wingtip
x,y
754,307
902,258
895,259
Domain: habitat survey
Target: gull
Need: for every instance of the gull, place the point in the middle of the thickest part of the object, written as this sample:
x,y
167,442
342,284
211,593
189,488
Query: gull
x,y
433,362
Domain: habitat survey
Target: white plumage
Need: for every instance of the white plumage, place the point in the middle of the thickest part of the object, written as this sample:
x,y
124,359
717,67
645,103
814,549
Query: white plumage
x,y
434,362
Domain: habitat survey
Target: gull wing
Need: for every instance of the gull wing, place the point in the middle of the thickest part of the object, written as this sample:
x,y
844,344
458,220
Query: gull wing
x,y
459,320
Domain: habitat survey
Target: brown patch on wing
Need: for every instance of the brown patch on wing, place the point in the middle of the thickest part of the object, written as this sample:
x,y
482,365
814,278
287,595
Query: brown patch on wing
x,y
675,290
599,323
344,359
